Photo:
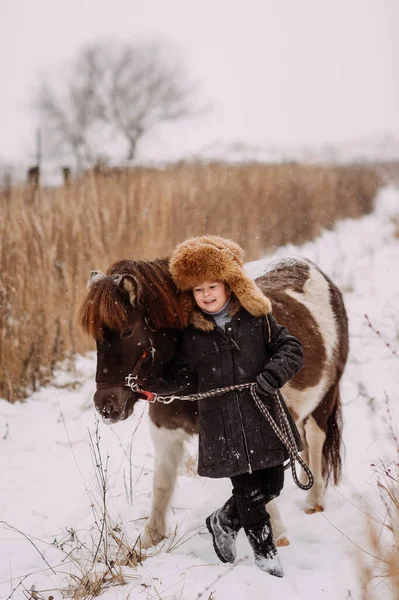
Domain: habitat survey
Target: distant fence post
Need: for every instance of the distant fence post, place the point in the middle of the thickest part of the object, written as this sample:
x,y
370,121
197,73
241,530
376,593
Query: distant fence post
x,y
5,188
7,182
66,172
34,183
34,176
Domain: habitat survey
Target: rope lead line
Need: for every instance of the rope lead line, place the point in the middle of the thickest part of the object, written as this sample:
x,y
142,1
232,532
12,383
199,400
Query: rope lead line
x,y
284,433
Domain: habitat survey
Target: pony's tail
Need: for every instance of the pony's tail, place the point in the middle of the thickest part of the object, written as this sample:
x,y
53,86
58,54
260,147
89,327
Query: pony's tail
x,y
333,445
332,460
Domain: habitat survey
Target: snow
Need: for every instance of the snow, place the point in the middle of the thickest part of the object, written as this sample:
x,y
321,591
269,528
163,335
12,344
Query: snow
x,y
49,487
373,148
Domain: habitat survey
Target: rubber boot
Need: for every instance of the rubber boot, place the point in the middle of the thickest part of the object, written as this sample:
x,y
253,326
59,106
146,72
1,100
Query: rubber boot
x,y
264,549
223,525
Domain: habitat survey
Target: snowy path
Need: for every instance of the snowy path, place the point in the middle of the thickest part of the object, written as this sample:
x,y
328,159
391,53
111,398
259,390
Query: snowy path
x,y
48,480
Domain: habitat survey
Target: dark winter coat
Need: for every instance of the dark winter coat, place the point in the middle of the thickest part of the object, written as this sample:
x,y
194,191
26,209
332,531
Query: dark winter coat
x,y
234,436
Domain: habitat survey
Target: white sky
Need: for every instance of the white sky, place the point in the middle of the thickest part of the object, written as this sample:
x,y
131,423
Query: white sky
x,y
280,72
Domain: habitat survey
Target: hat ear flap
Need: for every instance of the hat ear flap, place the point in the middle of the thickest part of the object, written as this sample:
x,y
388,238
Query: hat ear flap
x,y
249,295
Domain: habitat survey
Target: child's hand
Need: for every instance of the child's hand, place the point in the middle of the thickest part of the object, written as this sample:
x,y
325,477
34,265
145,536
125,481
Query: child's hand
x,y
265,385
266,397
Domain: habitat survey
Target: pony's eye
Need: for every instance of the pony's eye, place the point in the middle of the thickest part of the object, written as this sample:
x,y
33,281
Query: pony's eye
x,y
127,333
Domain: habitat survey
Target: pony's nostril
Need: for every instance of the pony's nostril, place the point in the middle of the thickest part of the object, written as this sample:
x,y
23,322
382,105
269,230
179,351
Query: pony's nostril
x,y
105,410
111,405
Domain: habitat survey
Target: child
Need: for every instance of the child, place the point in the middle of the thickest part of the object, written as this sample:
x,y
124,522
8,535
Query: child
x,y
233,338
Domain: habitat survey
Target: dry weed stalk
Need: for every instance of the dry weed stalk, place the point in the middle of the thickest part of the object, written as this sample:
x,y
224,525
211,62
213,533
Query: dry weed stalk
x,y
380,576
391,349
52,238
109,550
93,565
101,565
94,583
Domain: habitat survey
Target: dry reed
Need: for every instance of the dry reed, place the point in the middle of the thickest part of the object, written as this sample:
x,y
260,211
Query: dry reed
x,y
380,575
52,238
379,569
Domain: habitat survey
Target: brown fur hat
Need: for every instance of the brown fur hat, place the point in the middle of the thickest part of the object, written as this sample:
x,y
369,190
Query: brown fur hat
x,y
214,258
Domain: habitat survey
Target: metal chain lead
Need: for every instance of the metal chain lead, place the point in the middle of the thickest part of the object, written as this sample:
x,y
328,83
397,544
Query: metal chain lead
x,y
284,433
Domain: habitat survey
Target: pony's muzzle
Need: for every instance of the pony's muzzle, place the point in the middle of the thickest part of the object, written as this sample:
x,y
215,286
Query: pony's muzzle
x,y
115,404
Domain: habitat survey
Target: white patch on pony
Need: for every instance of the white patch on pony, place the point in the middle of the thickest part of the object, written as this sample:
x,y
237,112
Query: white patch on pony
x,y
316,298
278,527
169,450
315,438
95,276
258,268
286,261
304,402
117,278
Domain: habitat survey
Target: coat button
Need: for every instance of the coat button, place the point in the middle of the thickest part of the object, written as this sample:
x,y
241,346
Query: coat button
x,y
229,329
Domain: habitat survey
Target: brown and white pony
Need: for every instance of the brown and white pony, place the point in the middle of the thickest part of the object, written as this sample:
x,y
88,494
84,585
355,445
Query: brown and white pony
x,y
137,307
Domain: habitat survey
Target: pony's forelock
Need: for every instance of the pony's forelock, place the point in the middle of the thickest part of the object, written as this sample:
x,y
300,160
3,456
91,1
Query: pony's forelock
x,y
106,306
157,291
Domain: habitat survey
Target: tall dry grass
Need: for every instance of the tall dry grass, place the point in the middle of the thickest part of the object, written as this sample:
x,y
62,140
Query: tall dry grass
x,y
51,238
379,568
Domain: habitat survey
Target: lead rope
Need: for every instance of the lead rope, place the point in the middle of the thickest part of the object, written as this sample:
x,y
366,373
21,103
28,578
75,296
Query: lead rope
x,y
284,433
286,436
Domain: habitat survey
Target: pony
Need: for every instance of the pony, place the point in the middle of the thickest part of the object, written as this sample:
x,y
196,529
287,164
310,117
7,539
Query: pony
x,y
136,307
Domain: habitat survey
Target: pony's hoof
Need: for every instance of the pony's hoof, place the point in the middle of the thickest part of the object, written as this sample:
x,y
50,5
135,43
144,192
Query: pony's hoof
x,y
150,538
311,509
282,541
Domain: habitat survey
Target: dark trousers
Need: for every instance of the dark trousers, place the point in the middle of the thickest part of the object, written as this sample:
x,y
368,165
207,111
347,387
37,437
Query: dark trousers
x,y
251,492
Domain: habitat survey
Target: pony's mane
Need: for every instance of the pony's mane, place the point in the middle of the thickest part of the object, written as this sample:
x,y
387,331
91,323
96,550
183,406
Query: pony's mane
x,y
107,306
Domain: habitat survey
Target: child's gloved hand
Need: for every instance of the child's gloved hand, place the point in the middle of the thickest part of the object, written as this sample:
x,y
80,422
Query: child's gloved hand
x,y
266,399
265,385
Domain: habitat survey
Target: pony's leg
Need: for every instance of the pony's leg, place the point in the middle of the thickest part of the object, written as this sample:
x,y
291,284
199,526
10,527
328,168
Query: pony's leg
x,y
169,449
278,527
315,438
305,452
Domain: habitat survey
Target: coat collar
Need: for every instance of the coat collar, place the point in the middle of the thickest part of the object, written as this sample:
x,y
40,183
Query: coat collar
x,y
203,322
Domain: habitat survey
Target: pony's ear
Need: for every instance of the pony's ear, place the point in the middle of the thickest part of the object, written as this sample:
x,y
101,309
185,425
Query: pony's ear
x,y
131,285
95,276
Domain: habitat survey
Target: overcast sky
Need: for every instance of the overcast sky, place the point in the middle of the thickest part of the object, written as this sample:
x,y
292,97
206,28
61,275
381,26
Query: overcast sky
x,y
287,72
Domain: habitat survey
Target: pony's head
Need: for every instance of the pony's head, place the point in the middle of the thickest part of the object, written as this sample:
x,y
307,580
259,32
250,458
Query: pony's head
x,y
128,311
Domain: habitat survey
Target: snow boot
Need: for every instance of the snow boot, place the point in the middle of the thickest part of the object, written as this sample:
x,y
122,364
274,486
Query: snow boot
x,y
223,525
264,549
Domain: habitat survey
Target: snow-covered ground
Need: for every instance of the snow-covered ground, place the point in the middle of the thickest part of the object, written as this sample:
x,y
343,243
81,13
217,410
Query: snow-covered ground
x,y
50,497
372,149
363,151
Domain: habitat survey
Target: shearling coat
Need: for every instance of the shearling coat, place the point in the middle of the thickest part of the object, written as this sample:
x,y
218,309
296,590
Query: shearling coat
x,y
234,436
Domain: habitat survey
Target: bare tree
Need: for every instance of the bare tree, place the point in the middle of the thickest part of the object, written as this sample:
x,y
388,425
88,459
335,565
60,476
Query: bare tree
x,y
70,114
143,85
122,89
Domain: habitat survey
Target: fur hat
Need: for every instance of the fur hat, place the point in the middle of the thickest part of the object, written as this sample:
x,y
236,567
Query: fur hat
x,y
213,258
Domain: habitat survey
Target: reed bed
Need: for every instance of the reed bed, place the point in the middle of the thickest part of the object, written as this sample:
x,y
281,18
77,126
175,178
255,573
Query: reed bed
x,y
51,238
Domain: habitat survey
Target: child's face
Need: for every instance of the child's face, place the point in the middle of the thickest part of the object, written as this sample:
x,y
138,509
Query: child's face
x,y
211,295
